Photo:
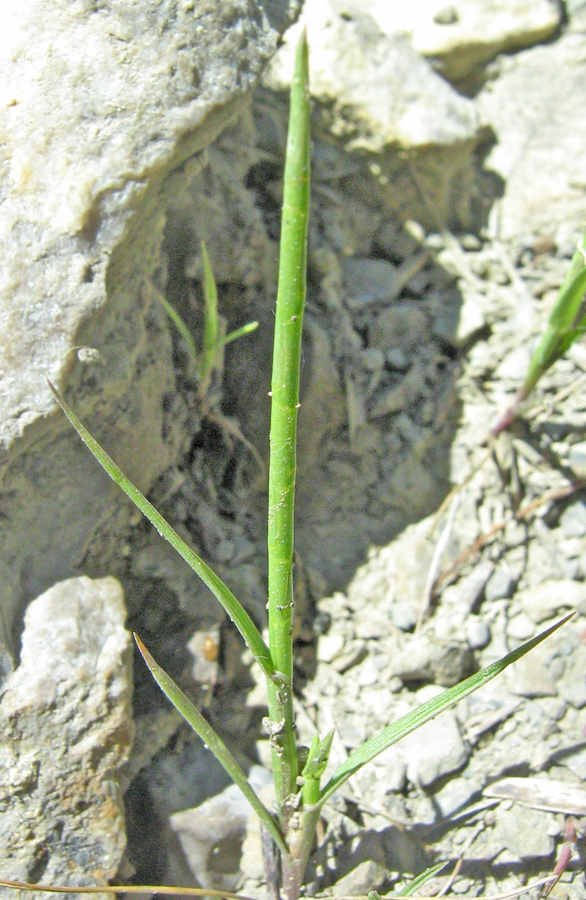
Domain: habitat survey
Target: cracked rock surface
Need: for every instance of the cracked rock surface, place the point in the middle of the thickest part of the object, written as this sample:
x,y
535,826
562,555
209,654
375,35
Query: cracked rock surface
x,y
65,732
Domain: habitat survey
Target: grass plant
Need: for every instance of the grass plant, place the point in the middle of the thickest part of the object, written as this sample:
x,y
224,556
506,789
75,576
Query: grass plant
x,y
299,788
209,357
566,324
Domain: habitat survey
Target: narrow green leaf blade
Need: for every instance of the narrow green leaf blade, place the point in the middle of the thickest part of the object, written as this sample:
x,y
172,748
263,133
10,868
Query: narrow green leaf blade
x,y
555,340
318,756
243,622
201,726
180,326
317,760
571,290
413,720
210,320
570,337
240,332
409,889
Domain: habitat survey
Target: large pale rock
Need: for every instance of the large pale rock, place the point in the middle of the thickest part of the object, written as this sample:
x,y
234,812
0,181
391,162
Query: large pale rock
x,y
211,833
460,36
105,110
379,91
65,729
542,159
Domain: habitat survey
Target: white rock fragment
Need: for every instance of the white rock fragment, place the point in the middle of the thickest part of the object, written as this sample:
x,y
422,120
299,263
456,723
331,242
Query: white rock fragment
x,y
217,826
65,730
379,89
330,646
465,34
443,735
521,627
551,597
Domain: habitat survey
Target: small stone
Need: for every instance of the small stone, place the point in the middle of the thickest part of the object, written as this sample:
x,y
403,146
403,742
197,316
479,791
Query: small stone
x,y
543,243
436,749
477,633
434,241
573,692
330,646
354,652
367,673
524,833
570,568
65,731
572,686
415,230
395,685
461,886
369,625
225,550
470,321
550,597
425,659
521,627
573,520
397,359
448,16
578,459
214,825
529,677
575,760
457,794
403,615
466,592
372,359
470,242
500,585
423,810
369,281
367,876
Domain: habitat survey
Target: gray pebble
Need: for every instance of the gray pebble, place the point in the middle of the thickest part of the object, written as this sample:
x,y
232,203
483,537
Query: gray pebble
x,y
368,281
477,633
574,693
443,735
461,886
457,794
403,615
573,520
500,584
397,359
372,359
470,242
550,597
521,627
578,458
525,834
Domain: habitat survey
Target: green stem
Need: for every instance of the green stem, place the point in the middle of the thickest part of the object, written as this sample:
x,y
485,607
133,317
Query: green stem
x,y
284,406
